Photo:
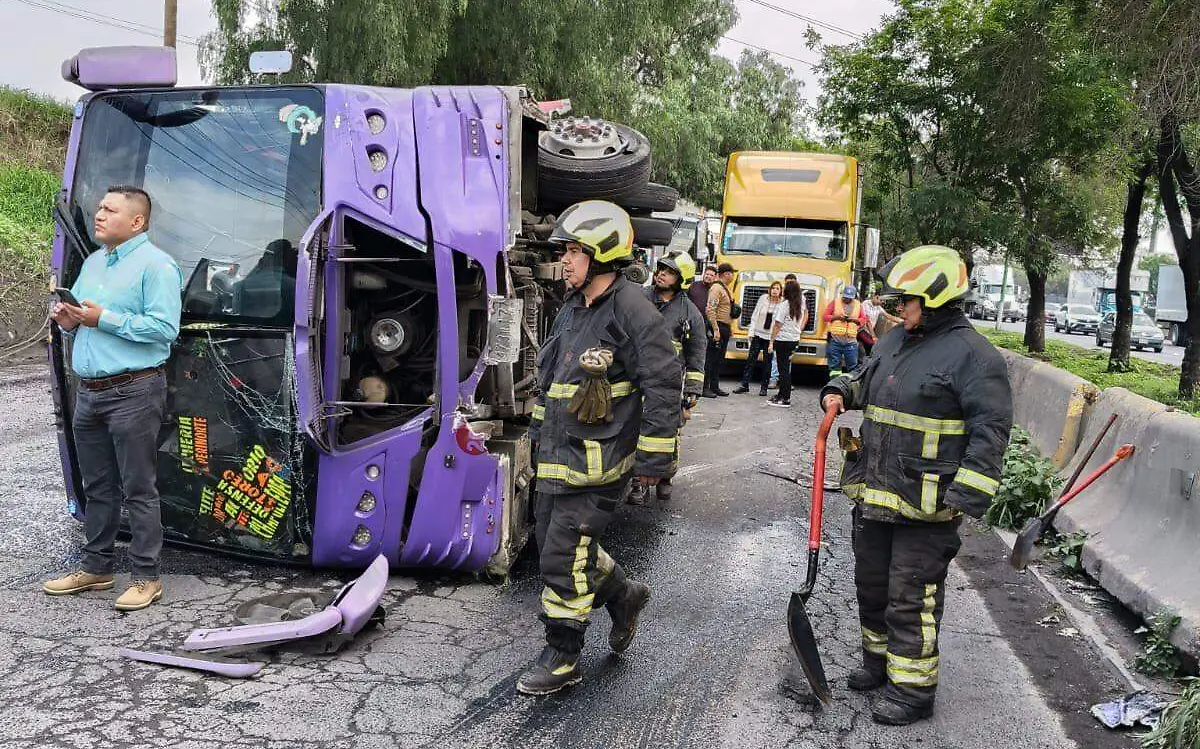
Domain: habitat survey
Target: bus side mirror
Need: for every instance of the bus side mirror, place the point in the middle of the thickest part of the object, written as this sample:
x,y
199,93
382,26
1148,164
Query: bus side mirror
x,y
870,247
101,68
272,61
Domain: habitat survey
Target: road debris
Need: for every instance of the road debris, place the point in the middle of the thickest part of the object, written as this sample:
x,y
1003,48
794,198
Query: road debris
x,y
1069,632
1049,620
1140,708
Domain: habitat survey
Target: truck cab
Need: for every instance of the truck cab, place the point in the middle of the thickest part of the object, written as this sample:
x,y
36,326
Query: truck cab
x,y
787,213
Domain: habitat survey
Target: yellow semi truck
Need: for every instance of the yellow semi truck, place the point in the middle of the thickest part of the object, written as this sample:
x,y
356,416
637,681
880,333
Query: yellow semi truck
x,y
795,213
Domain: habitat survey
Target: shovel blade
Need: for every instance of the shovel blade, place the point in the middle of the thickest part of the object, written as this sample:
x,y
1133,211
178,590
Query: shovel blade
x,y
804,642
1023,547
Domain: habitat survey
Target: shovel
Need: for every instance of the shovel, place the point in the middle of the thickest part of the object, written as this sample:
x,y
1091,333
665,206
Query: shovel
x,y
800,630
1033,530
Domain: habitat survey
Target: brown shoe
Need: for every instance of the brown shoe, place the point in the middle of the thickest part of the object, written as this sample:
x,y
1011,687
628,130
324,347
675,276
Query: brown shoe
x,y
140,595
76,582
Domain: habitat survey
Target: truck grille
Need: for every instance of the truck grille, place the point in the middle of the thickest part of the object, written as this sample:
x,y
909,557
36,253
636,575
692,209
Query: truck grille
x,y
750,295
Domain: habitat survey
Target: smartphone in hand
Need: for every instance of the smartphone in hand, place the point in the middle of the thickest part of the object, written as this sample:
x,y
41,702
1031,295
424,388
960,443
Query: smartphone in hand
x,y
66,297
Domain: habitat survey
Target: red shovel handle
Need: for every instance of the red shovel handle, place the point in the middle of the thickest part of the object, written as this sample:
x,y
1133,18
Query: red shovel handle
x,y
1123,452
818,492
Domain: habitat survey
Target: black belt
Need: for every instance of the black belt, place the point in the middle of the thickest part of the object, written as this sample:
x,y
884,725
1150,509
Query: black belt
x,y
124,378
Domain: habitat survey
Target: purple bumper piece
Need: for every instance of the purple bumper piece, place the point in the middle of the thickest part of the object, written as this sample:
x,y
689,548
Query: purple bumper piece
x,y
358,601
264,634
197,661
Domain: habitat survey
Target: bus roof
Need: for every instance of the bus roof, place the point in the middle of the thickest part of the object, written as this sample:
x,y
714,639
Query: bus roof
x,y
791,184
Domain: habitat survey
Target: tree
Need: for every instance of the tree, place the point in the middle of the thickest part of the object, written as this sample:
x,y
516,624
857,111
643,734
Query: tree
x,y
1159,42
986,116
649,63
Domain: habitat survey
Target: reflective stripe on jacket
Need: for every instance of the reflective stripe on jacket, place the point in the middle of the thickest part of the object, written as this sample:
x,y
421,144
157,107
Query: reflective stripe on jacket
x,y
842,328
647,388
686,326
937,411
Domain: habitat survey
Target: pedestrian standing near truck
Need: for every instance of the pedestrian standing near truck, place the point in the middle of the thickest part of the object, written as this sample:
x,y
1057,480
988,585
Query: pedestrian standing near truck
x,y
790,317
937,410
609,410
844,316
761,322
719,312
122,329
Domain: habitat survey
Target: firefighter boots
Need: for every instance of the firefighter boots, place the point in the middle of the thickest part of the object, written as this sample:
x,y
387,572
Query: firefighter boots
x,y
663,490
892,713
624,612
865,678
554,670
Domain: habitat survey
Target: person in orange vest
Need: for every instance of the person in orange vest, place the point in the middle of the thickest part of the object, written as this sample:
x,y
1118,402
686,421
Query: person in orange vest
x,y
843,318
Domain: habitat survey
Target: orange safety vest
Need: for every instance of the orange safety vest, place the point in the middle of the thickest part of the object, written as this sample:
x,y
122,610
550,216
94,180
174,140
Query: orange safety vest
x,y
841,327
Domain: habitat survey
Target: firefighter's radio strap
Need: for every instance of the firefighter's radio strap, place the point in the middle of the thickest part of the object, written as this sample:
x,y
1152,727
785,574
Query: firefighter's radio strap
x,y
592,402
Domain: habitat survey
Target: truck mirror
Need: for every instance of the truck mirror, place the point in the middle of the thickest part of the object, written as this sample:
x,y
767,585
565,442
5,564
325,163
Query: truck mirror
x,y
870,247
271,61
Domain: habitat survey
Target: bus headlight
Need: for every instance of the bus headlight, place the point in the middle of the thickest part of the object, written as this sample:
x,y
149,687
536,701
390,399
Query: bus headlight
x,y
367,502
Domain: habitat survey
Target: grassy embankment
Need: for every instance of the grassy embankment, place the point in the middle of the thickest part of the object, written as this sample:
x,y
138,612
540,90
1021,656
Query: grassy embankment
x,y
33,139
1159,382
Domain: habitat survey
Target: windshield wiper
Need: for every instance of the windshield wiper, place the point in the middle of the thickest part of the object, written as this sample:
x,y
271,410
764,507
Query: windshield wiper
x,y
73,229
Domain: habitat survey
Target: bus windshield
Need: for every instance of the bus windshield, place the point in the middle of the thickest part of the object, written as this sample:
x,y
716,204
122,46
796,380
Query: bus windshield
x,y
235,179
823,240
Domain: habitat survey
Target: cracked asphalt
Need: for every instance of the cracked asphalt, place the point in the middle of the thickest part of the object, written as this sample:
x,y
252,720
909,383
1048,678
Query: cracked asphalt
x,y
711,665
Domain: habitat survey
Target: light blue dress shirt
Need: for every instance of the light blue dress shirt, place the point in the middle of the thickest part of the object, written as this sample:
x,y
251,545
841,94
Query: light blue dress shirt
x,y
139,286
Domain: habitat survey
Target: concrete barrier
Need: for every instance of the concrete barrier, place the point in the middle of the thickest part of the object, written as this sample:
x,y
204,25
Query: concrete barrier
x,y
1143,517
1042,402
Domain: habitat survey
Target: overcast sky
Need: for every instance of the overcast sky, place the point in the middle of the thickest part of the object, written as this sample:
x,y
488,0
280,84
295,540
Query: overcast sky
x,y
37,35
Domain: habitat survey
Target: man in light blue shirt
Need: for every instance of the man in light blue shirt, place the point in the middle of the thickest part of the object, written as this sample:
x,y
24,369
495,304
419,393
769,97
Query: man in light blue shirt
x,y
123,329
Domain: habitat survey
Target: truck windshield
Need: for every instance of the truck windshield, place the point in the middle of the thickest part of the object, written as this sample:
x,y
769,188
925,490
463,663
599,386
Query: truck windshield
x,y
235,179
824,240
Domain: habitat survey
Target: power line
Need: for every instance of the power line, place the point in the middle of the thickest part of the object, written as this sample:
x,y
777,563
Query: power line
x,y
809,19
119,23
102,18
769,51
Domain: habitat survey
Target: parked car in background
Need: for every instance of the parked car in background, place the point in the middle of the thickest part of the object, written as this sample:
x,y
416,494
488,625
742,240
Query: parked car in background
x,y
1076,318
1144,334
1052,314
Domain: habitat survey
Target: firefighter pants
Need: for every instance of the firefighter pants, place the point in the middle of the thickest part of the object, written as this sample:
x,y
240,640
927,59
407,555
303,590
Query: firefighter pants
x,y
900,577
577,574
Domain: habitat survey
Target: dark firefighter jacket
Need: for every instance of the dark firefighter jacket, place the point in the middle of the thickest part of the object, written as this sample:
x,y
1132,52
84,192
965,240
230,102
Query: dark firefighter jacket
x,y
647,388
686,326
937,410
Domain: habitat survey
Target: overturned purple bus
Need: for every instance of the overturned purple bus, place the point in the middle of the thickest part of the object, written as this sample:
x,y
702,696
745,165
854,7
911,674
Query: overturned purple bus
x,y
366,284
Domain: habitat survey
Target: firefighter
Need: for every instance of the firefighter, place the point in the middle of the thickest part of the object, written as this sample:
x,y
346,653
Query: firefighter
x,y
672,277
609,410
937,413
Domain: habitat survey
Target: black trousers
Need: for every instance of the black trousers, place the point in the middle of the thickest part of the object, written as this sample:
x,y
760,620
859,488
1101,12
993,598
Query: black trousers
x,y
578,576
757,345
715,357
116,443
900,578
783,357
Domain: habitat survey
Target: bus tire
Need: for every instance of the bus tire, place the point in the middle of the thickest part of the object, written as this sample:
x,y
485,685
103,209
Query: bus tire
x,y
564,178
652,232
652,197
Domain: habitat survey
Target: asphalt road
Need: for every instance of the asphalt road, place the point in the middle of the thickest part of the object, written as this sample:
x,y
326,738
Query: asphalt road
x,y
711,665
1170,354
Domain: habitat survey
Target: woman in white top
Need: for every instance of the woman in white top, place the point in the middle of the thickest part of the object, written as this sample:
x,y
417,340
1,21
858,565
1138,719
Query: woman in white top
x,y
760,336
790,317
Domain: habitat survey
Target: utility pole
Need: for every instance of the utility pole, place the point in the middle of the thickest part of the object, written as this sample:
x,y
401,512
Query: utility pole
x,y
170,17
